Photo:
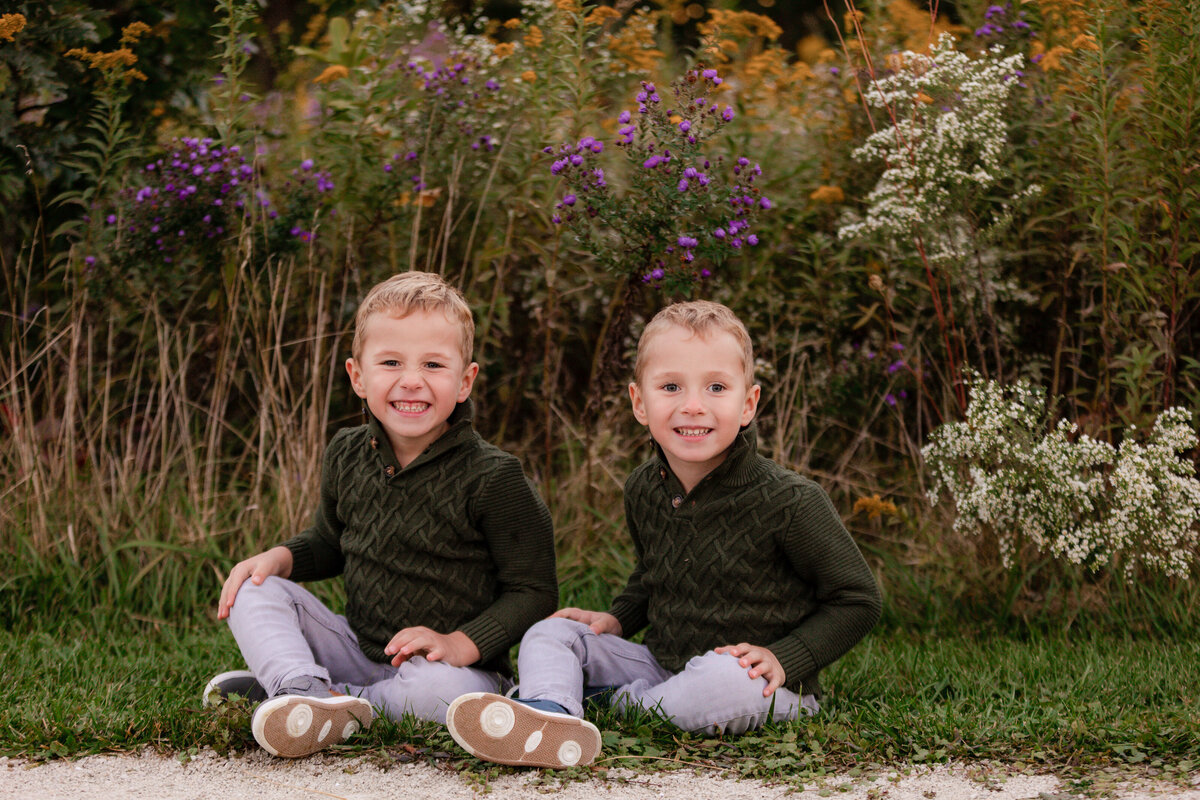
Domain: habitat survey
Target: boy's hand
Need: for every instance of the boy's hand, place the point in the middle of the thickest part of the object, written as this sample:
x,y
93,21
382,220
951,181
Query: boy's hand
x,y
598,621
276,561
759,661
456,649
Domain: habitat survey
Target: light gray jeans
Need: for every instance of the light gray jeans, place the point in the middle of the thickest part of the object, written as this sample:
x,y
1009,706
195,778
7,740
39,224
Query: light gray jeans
x,y
285,634
712,695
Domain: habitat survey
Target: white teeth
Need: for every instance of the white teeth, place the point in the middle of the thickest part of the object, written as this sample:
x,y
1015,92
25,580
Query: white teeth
x,y
406,407
692,431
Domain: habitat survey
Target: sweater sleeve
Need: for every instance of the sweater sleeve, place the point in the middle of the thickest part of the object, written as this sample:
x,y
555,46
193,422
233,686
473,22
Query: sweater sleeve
x,y
631,606
848,600
520,537
317,551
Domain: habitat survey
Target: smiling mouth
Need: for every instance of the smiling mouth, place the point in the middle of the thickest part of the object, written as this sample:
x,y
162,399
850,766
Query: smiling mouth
x,y
408,407
693,431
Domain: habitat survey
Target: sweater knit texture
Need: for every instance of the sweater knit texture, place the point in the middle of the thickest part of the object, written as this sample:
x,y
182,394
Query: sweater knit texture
x,y
754,553
456,540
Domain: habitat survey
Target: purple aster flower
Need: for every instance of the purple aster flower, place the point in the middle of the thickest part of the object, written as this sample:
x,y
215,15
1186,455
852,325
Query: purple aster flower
x,y
719,233
709,73
834,71
895,367
727,114
569,200
657,273
576,159
890,399
702,179
685,126
597,147
687,241
90,261
897,346
624,117
111,219
765,203
556,219
306,164
752,240
652,162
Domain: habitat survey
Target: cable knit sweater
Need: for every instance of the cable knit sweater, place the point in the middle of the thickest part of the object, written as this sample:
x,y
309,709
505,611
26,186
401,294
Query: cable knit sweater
x,y
754,553
456,540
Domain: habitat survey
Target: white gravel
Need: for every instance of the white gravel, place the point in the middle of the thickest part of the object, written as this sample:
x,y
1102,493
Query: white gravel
x,y
208,776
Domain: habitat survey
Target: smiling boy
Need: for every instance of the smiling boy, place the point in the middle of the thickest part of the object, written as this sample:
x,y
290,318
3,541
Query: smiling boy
x,y
446,549
746,581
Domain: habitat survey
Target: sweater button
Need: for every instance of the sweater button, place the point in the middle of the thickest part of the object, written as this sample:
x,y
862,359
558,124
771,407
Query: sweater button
x,y
662,473
676,501
389,470
374,443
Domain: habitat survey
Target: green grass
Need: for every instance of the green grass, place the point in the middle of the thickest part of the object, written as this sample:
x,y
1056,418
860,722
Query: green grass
x,y
1053,702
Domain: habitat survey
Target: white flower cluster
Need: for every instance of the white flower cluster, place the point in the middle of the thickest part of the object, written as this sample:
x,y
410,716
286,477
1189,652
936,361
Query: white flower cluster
x,y
1068,495
946,141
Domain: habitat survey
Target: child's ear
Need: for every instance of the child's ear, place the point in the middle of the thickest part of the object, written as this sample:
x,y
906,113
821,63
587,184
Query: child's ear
x,y
751,407
639,405
468,381
356,377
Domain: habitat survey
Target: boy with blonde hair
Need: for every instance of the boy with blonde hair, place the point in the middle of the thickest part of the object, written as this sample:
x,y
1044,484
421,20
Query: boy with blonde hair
x,y
746,581
446,549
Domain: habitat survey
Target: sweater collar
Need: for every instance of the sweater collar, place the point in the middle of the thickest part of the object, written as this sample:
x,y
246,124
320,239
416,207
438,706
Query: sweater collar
x,y
461,429
740,467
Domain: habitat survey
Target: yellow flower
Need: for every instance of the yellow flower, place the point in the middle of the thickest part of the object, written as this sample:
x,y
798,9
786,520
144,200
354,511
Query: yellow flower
x,y
112,62
10,24
529,76
515,22
921,97
504,49
601,15
534,38
134,31
828,194
568,6
852,17
1052,59
875,506
332,73
1084,41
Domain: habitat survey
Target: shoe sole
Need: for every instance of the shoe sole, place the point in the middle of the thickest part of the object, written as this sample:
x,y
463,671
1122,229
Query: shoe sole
x,y
246,685
494,728
294,726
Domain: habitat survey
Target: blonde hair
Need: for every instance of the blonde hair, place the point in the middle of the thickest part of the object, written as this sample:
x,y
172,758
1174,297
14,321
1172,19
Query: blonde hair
x,y
701,317
402,294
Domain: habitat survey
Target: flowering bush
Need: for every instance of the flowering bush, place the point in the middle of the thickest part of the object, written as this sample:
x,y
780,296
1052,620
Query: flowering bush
x,y
1064,493
944,146
683,210
194,199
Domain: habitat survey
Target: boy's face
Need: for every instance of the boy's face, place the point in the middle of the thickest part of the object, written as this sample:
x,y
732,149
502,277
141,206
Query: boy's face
x,y
411,373
694,398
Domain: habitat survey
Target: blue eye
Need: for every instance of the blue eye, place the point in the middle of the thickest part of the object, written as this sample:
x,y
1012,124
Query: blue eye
x,y
670,387
391,362
717,388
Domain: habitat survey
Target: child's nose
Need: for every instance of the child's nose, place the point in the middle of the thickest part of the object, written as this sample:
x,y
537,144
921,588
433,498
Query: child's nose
x,y
692,404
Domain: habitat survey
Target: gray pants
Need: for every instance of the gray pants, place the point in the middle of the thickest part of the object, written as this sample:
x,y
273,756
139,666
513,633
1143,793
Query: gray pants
x,y
713,694
285,633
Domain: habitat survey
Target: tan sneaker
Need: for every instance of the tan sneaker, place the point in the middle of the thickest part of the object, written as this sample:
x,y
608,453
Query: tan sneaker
x,y
494,728
294,726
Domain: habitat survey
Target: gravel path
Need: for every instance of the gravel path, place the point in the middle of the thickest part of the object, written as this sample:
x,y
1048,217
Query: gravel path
x,y
209,776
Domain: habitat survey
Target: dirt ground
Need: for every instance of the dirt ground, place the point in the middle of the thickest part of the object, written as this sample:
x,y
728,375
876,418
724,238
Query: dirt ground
x,y
208,776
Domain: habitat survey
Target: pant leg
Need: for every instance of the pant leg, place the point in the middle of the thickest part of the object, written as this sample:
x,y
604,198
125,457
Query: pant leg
x,y
714,695
559,656
285,633
423,688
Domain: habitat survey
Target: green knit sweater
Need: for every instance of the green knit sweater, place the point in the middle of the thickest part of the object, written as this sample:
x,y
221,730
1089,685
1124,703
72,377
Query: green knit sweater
x,y
456,540
754,553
